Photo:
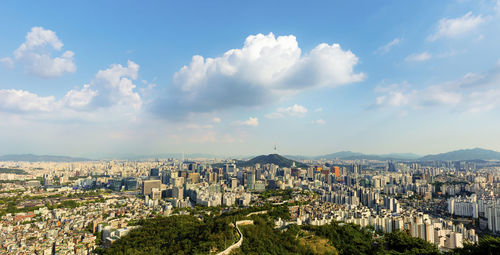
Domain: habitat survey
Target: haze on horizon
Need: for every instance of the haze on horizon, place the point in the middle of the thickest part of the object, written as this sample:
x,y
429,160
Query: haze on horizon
x,y
101,78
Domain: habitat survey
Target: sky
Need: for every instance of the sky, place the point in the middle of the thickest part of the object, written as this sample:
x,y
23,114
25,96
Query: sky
x,y
95,78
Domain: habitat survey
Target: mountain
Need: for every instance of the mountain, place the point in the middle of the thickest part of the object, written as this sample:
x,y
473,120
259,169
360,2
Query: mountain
x,y
38,158
467,154
271,159
349,155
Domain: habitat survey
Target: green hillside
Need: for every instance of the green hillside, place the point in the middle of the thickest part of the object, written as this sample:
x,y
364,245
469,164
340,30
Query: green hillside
x,y
211,234
272,159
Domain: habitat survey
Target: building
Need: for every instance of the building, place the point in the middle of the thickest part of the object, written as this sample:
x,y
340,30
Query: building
x,y
130,183
250,180
148,185
336,171
115,184
178,192
154,172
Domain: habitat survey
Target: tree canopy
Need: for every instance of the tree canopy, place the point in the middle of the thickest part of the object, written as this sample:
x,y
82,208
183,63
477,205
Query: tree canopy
x,y
185,234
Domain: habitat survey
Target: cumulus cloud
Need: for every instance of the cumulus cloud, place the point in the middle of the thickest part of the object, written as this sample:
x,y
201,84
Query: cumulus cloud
x,y
319,109
264,70
20,101
471,93
111,88
293,111
384,49
450,28
252,122
418,57
35,54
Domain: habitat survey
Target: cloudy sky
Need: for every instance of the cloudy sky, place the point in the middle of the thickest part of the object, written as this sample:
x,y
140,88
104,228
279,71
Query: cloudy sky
x,y
93,78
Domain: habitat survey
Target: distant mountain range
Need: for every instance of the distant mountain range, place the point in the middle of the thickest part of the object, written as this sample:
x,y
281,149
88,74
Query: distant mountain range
x,y
271,159
469,154
38,158
284,161
466,154
349,155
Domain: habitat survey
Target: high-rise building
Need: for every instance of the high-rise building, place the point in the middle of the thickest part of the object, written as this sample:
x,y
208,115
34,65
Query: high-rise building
x,y
194,177
115,184
355,169
130,183
154,172
148,185
336,170
178,192
234,182
391,167
47,180
155,193
250,180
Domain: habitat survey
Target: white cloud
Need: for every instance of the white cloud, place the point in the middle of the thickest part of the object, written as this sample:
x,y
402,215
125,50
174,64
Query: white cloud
x,y
440,95
400,95
471,93
216,120
319,122
35,54
252,122
418,57
264,70
387,47
455,27
483,100
293,111
79,98
319,109
111,88
7,62
19,101
393,98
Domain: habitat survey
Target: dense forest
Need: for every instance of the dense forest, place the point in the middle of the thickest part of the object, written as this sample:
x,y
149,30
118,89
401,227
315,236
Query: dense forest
x,y
181,234
12,171
203,234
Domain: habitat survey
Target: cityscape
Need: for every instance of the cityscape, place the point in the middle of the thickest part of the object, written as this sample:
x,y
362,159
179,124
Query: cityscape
x,y
77,207
258,127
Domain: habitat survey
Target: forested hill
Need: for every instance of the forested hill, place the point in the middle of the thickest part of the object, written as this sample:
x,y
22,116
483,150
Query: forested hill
x,y
203,234
272,159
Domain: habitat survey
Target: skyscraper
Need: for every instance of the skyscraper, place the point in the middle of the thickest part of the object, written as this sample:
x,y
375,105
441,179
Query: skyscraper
x,y
336,170
154,172
148,185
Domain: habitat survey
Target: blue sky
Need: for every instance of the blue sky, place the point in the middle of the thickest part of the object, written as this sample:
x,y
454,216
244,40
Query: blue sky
x,y
236,78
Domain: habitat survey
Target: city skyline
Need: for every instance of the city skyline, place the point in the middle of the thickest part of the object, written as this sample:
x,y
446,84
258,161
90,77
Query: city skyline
x,y
237,79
